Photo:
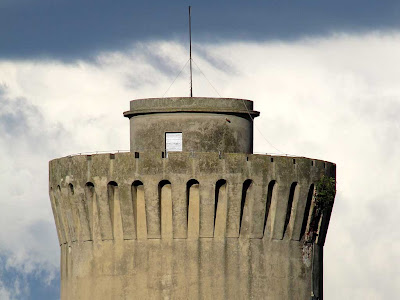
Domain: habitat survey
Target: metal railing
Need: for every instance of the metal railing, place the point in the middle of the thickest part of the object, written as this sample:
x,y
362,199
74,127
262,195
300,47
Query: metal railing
x,y
125,151
98,152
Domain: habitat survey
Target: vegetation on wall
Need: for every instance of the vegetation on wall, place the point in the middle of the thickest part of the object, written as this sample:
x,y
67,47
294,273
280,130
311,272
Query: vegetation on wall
x,y
325,193
324,196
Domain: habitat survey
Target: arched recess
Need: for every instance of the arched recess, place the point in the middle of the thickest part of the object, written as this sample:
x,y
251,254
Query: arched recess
x,y
71,191
193,208
271,194
60,213
139,209
112,190
57,220
312,233
307,211
244,206
221,208
112,187
70,205
293,195
87,212
165,199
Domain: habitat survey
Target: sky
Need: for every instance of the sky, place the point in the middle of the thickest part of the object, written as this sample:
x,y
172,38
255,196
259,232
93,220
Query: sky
x,y
324,75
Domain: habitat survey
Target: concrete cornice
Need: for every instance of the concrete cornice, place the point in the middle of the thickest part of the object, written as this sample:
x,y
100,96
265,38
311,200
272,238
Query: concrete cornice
x,y
136,112
191,105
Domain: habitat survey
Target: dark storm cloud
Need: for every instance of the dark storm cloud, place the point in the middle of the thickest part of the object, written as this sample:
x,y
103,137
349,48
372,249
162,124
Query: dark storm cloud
x,y
78,29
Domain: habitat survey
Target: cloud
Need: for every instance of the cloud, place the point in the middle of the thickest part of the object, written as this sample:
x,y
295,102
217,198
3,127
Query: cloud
x,y
74,29
335,98
28,244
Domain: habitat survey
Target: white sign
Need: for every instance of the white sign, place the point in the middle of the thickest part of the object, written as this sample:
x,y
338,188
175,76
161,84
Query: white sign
x,y
173,141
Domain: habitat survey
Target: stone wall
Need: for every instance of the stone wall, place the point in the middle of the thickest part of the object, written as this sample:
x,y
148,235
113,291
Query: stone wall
x,y
188,226
206,124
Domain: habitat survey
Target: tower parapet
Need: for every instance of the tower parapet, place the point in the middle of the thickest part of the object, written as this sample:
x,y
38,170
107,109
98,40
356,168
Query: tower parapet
x,y
188,225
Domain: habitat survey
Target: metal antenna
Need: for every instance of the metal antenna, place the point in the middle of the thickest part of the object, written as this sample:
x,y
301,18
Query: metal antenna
x,y
190,53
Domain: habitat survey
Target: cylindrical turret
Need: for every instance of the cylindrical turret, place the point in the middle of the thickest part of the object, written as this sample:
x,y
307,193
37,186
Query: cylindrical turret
x,y
192,124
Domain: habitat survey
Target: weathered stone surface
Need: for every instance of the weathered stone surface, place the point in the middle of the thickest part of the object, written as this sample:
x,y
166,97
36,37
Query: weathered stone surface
x,y
208,124
197,224
244,259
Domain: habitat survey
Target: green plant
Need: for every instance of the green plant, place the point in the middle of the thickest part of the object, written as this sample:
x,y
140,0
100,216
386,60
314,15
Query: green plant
x,y
325,191
324,196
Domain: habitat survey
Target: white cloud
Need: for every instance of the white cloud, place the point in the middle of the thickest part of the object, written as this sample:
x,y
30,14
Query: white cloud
x,y
4,293
336,98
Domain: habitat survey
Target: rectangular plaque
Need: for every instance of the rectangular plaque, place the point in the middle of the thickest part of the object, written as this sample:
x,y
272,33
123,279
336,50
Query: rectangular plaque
x,y
173,141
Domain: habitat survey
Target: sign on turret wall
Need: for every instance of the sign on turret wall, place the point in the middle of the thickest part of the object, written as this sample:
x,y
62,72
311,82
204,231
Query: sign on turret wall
x,y
173,141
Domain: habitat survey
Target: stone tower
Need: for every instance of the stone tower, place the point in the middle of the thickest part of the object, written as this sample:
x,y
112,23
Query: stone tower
x,y
190,212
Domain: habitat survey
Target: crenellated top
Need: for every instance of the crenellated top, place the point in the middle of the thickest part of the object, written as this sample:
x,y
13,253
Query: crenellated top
x,y
187,195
